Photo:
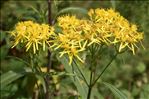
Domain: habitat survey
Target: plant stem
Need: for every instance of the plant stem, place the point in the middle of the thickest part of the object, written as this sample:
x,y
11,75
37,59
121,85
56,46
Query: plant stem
x,y
32,62
92,51
47,79
105,69
90,86
89,92
80,72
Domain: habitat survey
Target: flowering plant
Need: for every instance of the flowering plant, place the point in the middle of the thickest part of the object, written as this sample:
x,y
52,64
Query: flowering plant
x,y
80,40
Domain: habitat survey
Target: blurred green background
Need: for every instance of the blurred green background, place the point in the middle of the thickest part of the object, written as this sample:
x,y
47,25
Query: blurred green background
x,y
128,73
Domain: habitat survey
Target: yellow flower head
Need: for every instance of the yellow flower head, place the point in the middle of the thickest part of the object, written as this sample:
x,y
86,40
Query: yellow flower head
x,y
69,41
108,27
68,22
32,35
100,26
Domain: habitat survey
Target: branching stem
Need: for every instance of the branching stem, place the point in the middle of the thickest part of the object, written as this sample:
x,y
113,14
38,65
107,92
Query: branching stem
x,y
104,69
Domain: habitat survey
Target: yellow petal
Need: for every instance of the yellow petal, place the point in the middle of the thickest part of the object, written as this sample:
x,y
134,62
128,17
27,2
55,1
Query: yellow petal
x,y
70,59
132,48
34,48
79,58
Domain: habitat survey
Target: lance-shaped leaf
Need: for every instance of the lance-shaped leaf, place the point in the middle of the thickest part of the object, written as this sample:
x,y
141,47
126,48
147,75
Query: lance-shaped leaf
x,y
78,82
11,76
115,91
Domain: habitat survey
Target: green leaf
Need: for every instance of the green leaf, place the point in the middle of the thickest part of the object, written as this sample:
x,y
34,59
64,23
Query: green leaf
x,y
80,85
115,91
73,10
2,35
11,76
3,51
144,93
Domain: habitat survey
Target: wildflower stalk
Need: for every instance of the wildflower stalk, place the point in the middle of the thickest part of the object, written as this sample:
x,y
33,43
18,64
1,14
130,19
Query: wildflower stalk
x,y
81,72
92,51
34,70
47,79
90,86
31,62
50,23
105,69
92,81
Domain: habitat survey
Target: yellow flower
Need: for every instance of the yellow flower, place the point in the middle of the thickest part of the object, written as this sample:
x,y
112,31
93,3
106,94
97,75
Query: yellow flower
x,y
32,35
70,44
128,37
98,28
68,22
69,41
104,26
108,27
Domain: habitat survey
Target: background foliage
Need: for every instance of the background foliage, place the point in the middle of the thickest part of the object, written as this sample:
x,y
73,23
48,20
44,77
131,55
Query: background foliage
x,y
128,73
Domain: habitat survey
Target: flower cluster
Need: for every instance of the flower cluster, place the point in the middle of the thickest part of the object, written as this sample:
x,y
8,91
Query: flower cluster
x,y
110,28
32,35
103,27
69,41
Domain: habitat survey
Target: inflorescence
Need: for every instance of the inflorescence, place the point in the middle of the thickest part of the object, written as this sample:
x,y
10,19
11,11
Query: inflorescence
x,y
32,35
103,27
